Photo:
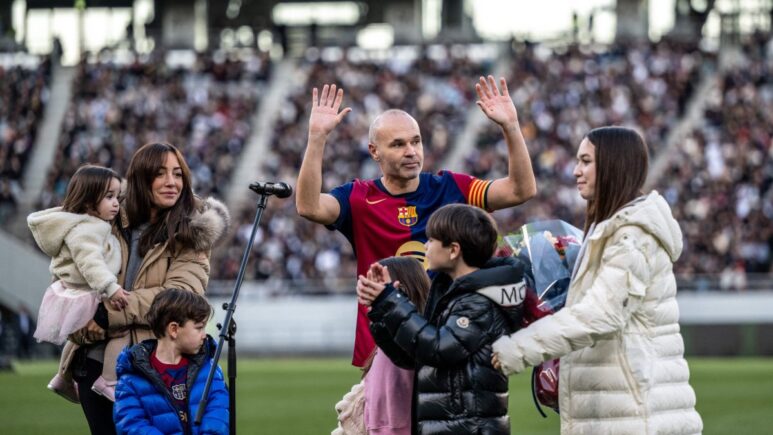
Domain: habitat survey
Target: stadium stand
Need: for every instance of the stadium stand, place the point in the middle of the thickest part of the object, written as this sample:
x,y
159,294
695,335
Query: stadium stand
x,y
563,93
433,83
23,95
719,181
203,105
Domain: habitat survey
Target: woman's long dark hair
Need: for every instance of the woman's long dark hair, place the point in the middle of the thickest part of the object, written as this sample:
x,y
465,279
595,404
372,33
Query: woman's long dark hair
x,y
622,160
173,223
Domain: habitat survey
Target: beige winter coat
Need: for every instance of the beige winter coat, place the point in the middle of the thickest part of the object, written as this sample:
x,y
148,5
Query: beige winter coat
x,y
85,255
622,368
187,269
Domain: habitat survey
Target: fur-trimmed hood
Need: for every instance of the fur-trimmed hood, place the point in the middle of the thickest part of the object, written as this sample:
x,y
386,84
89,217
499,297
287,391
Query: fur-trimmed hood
x,y
210,222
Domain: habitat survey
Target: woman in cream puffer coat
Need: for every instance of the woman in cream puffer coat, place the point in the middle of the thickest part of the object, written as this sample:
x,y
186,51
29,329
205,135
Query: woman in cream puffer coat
x,y
622,357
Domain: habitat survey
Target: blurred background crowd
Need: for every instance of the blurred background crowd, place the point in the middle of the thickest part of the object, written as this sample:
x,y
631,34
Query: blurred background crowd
x,y
703,103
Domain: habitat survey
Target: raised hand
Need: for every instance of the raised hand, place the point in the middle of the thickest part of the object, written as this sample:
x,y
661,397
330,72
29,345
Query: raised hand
x,y
498,106
324,110
379,274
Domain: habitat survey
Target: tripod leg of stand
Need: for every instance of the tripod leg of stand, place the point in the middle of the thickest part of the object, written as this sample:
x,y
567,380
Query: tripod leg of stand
x,y
232,376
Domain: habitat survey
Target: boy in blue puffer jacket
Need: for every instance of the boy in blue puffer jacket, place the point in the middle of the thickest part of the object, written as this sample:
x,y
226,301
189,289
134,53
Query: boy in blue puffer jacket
x,y
161,381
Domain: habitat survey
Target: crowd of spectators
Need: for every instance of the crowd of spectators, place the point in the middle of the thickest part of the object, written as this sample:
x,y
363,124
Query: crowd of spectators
x,y
562,94
435,84
204,107
23,95
719,182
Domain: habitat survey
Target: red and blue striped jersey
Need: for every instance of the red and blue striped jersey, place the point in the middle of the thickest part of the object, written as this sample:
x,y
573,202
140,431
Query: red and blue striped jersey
x,y
380,225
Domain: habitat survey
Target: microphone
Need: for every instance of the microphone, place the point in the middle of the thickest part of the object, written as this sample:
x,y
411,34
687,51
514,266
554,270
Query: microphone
x,y
280,189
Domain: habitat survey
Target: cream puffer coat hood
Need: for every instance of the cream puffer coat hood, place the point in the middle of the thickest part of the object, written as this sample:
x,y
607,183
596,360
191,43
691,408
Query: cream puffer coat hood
x,y
84,253
622,357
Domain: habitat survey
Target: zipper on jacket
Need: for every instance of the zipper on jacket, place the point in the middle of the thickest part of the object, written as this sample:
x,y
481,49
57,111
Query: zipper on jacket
x,y
194,367
159,384
627,372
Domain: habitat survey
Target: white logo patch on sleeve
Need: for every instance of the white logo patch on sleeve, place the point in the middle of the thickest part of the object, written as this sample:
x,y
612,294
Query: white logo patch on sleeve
x,y
463,322
506,295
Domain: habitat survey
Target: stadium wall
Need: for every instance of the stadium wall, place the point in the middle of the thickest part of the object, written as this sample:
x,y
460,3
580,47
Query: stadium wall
x,y
24,274
713,324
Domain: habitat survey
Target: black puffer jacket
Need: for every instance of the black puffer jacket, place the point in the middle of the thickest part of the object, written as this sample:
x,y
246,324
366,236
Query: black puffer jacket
x,y
456,390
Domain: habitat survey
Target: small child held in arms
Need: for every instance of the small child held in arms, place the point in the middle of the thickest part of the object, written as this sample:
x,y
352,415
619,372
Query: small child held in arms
x,y
85,259
161,381
473,300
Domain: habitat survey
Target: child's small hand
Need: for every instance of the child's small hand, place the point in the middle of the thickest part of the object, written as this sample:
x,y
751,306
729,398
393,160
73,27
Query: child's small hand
x,y
379,274
368,290
120,299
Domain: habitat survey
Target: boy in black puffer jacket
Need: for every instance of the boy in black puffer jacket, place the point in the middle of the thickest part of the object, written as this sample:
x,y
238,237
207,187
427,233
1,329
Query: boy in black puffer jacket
x,y
474,299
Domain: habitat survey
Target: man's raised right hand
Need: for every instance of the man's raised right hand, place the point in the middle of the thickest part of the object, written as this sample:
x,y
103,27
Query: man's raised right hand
x,y
324,110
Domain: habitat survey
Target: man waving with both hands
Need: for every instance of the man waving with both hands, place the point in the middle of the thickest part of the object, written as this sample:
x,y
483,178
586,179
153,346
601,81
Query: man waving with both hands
x,y
387,216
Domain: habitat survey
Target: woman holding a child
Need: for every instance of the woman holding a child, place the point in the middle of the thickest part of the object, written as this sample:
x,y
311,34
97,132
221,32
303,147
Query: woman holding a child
x,y
166,234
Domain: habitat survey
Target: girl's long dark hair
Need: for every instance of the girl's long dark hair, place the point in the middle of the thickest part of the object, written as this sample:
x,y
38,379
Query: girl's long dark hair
x,y
173,223
622,160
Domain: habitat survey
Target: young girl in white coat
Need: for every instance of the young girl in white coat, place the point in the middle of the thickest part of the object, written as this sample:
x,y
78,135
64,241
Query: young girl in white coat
x,y
85,259
622,357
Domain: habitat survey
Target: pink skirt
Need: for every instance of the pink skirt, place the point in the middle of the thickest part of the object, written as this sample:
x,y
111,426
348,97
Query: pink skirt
x,y
64,311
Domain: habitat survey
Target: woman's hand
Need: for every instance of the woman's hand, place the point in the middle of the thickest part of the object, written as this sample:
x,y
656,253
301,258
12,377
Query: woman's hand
x,y
495,361
94,332
89,334
506,356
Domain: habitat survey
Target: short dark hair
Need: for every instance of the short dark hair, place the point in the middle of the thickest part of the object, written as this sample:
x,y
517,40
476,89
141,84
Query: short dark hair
x,y
472,228
87,187
175,305
622,160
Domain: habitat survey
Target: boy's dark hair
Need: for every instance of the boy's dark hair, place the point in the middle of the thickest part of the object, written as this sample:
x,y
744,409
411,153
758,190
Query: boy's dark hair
x,y
175,305
87,187
472,228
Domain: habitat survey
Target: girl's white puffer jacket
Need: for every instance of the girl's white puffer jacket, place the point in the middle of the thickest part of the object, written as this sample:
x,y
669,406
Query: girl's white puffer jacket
x,y
622,368
84,253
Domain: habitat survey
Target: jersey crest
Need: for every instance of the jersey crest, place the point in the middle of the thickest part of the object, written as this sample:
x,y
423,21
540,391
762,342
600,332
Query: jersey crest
x,y
407,215
178,392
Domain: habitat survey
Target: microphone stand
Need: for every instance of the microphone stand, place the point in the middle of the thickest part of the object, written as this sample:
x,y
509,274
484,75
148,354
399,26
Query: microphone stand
x,y
228,327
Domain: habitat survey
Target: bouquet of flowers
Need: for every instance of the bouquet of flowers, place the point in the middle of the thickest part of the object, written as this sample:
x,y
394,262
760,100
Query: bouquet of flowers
x,y
550,248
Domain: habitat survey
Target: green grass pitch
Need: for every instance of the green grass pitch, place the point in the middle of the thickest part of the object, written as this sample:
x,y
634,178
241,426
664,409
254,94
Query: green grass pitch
x,y
296,396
